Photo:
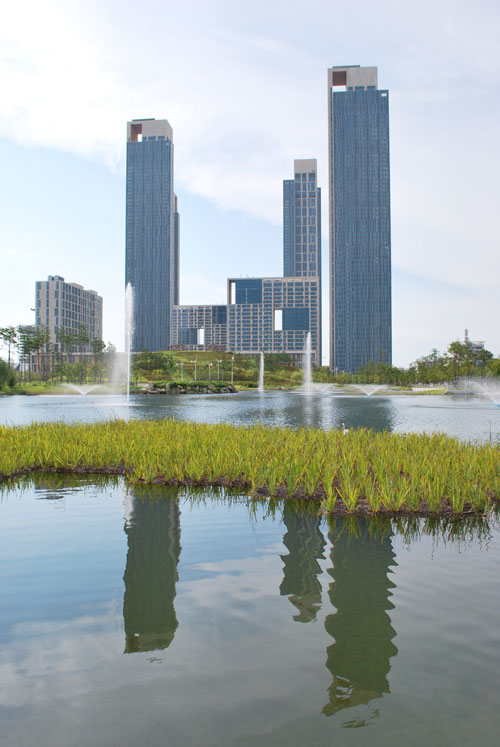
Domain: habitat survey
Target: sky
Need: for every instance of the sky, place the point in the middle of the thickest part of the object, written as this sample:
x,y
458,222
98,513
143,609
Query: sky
x,y
243,85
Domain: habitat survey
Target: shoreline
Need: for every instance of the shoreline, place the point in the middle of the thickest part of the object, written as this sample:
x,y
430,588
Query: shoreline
x,y
361,510
341,391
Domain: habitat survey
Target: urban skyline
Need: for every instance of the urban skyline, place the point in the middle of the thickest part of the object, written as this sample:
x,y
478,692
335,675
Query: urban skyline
x,y
276,314
238,126
269,314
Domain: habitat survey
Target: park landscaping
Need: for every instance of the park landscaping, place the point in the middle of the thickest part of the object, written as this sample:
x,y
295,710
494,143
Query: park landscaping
x,y
358,473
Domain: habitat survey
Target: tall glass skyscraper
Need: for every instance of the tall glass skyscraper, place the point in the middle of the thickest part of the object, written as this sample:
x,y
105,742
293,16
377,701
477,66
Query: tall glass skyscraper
x,y
151,231
302,230
302,221
360,226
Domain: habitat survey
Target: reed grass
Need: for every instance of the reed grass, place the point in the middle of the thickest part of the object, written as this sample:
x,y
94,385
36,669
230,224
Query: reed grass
x,y
359,472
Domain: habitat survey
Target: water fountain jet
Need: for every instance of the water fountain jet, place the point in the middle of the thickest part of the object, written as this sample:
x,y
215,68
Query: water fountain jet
x,y
82,390
489,388
369,389
261,372
307,367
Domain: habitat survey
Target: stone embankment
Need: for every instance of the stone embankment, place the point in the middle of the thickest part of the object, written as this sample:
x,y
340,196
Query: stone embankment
x,y
188,389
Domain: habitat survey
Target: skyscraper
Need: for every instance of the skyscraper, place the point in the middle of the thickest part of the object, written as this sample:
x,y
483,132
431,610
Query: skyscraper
x,y
302,231
360,229
151,231
302,221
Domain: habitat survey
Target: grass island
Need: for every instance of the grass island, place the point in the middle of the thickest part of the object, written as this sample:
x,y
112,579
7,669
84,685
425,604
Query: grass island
x,y
359,473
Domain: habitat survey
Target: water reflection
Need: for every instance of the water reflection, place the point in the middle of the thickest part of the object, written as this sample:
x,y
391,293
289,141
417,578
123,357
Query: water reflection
x,y
472,420
356,412
153,536
305,544
359,659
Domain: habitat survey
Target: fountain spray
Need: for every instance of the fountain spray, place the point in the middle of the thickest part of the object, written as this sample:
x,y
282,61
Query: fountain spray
x,y
307,368
261,372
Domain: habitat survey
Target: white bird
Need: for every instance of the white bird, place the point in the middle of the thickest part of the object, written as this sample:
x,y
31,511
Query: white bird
x,y
345,430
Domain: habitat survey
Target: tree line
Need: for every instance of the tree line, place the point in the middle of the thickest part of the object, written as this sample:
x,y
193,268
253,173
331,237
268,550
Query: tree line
x,y
462,359
39,358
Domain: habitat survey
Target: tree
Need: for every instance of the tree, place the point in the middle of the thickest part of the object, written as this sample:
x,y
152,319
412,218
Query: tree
x,y
82,336
483,357
7,375
468,355
9,336
32,340
66,340
458,350
98,346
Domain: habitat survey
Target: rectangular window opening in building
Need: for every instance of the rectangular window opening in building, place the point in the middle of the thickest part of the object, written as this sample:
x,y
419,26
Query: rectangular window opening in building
x,y
278,320
339,80
201,336
136,133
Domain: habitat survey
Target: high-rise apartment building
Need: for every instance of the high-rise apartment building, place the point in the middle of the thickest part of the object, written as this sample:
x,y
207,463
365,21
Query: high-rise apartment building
x,y
269,315
302,221
177,239
202,327
152,229
68,308
273,315
360,228
302,229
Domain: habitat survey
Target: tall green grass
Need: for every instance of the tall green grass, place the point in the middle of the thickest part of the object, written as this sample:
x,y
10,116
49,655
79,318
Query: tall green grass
x,y
362,470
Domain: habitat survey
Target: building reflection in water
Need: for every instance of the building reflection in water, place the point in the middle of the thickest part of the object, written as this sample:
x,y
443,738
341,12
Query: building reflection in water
x,y
153,535
359,659
305,544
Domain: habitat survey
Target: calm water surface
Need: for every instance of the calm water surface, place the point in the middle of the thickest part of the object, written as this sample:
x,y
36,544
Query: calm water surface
x,y
162,618
468,418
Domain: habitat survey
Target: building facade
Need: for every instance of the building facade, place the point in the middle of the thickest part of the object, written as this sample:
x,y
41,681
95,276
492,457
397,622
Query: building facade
x,y
68,308
302,221
199,327
152,230
274,315
359,219
177,239
302,226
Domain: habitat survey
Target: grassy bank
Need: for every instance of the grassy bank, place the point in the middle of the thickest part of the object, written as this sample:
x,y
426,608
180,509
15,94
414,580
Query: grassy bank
x,y
361,472
243,370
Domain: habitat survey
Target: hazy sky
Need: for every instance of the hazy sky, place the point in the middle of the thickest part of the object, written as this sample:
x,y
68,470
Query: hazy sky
x,y
243,85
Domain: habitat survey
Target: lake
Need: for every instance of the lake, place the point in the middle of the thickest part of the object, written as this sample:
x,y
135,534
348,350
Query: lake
x,y
163,616
157,616
466,417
